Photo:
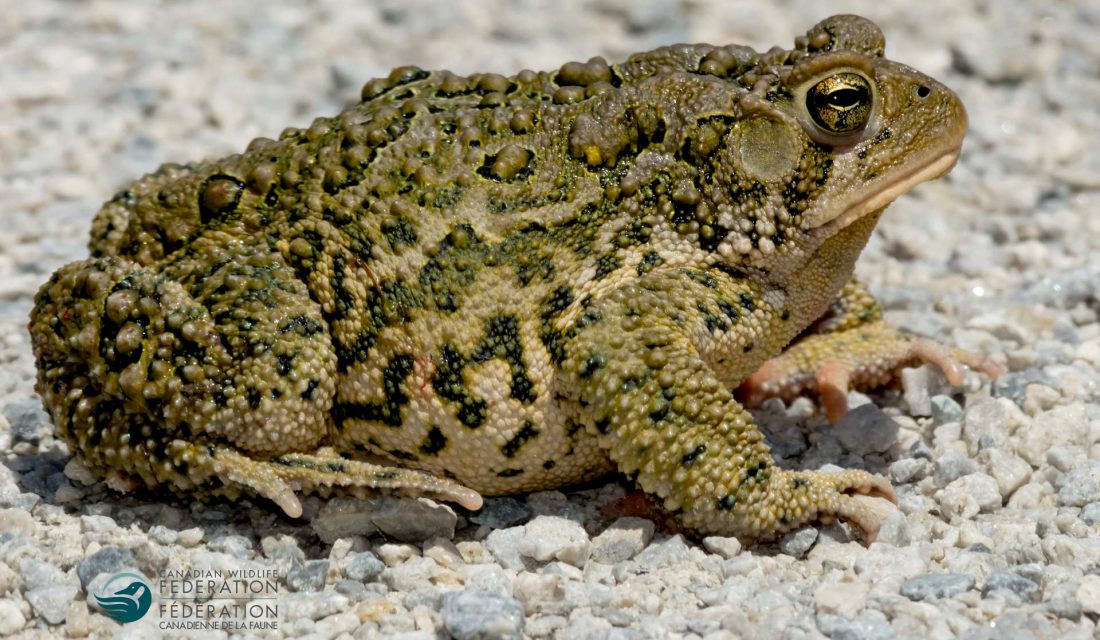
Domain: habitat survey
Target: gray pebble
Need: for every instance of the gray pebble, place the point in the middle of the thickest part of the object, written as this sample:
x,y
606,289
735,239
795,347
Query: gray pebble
x,y
944,410
308,577
1081,485
52,602
1090,513
1023,588
798,543
351,588
29,423
475,615
866,429
414,520
866,626
937,585
106,560
239,547
499,513
951,466
363,566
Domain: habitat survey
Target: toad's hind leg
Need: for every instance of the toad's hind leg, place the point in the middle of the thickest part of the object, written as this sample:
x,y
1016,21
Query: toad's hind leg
x,y
205,380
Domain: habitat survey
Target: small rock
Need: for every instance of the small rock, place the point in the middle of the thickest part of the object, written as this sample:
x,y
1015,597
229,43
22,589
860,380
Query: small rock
x,y
1088,593
983,426
500,513
76,620
52,602
1010,471
38,574
311,606
944,409
907,470
414,520
672,552
363,566
106,560
190,538
970,495
474,615
797,543
342,517
916,384
309,576
1080,486
489,578
239,547
548,538
16,521
870,626
1090,513
866,429
723,546
1026,590
11,617
937,585
951,466
624,539
411,575
29,423
392,554
841,598
504,545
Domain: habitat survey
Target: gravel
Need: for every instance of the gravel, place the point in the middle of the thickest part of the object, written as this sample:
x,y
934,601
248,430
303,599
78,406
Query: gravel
x,y
998,528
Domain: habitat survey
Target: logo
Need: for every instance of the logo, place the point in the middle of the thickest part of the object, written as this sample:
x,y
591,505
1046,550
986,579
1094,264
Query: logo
x,y
125,597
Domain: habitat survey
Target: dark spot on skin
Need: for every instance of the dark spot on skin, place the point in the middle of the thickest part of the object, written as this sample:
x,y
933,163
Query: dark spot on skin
x,y
388,411
604,426
607,264
659,414
756,470
798,483
549,464
729,310
526,432
693,455
727,502
591,365
434,442
303,326
747,302
649,261
509,473
747,348
254,398
786,315
447,382
502,341
311,386
282,364
402,455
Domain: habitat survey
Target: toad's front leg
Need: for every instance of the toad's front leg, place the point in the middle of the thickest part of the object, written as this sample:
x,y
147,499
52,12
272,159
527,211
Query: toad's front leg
x,y
652,374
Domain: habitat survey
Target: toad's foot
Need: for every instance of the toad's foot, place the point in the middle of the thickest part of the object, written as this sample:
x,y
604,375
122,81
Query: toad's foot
x,y
864,357
224,472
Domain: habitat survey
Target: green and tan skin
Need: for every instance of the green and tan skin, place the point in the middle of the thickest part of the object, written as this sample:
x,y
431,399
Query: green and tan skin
x,y
483,285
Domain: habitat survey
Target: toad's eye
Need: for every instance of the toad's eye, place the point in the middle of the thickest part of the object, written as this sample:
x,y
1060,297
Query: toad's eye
x,y
840,103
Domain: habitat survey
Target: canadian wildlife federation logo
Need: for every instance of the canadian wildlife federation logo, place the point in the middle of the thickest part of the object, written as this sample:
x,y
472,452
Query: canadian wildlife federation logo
x,y
125,597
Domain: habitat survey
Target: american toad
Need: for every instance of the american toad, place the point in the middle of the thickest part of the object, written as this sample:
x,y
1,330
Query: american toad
x,y
489,285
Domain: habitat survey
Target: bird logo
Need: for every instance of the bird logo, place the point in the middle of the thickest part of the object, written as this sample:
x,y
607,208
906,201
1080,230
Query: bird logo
x,y
125,597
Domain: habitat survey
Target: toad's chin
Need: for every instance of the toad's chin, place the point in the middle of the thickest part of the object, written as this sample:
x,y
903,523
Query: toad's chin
x,y
888,190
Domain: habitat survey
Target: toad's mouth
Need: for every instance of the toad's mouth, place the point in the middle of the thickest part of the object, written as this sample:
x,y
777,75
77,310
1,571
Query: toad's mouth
x,y
888,192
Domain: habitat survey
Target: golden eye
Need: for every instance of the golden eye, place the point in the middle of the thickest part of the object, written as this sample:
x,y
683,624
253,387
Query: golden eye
x,y
840,103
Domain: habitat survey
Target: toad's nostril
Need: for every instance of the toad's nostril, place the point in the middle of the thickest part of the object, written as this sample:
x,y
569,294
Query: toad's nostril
x,y
923,91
